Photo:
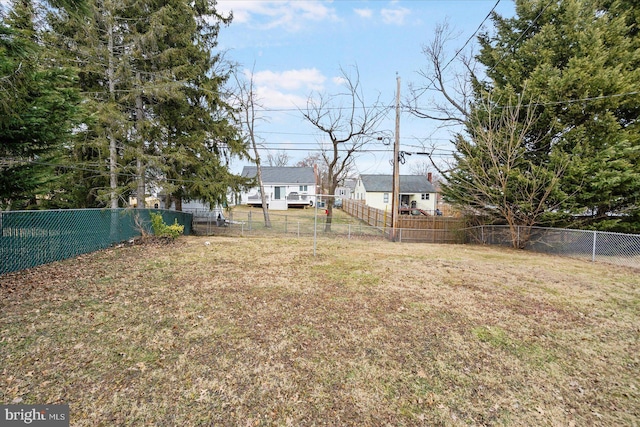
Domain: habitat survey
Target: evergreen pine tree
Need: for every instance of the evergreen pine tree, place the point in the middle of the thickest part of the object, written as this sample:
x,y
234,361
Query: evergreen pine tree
x,y
578,61
39,107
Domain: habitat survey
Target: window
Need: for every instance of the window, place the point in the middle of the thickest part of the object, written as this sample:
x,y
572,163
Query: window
x,y
385,198
303,188
425,196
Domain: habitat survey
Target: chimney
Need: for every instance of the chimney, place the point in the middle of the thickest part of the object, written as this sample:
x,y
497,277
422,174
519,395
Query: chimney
x,y
429,176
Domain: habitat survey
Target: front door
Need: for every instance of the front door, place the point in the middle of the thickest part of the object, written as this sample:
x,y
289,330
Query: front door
x,y
279,202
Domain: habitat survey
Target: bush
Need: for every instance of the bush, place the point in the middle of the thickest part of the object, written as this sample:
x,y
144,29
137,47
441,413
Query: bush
x,y
161,229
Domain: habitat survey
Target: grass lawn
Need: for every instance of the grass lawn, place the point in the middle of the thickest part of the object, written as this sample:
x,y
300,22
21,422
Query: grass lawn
x,y
303,215
257,331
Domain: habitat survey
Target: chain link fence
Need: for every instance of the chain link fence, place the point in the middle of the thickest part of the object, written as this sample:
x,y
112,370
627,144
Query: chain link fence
x,y
214,223
31,238
252,224
613,248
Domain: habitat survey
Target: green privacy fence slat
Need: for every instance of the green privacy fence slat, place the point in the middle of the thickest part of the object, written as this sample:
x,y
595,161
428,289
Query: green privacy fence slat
x,y
31,238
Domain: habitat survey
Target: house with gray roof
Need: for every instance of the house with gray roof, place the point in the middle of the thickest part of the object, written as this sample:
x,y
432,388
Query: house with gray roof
x,y
415,192
285,187
345,190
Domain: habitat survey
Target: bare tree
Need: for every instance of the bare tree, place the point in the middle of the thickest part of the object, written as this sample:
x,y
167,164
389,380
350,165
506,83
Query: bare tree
x,y
279,159
451,91
425,168
493,175
247,101
317,161
349,123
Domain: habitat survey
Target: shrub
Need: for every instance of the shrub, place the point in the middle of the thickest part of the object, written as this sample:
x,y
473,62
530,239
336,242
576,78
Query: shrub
x,y
161,229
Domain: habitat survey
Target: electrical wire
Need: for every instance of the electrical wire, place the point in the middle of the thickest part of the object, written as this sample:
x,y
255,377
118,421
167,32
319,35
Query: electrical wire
x,y
470,37
504,55
104,172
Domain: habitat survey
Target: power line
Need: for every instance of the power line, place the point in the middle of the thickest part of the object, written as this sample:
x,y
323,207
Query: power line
x,y
408,108
104,171
504,55
372,142
470,37
573,101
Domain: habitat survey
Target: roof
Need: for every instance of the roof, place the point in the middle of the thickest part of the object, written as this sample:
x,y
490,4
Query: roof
x,y
350,183
408,184
282,175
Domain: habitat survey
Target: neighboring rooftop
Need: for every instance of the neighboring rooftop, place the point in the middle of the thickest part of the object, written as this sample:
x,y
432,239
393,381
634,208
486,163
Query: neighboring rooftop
x,y
408,183
282,175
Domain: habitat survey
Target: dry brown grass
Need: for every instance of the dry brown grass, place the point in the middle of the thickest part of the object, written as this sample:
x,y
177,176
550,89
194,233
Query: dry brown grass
x,y
259,332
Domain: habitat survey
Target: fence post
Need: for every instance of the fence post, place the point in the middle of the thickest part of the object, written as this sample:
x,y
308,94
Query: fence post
x,y
593,253
349,228
518,237
482,233
249,220
400,235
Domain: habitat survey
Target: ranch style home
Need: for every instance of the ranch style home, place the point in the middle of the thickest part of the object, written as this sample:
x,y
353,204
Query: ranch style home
x,y
285,187
416,192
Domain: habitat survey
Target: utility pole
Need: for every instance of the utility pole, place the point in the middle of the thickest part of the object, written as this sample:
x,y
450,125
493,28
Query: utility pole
x,y
395,202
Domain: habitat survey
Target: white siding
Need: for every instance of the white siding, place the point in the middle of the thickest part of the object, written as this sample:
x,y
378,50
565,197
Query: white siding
x,y
376,200
270,192
359,191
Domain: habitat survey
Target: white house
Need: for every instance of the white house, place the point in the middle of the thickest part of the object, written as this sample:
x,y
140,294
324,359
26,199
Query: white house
x,y
345,191
284,187
415,192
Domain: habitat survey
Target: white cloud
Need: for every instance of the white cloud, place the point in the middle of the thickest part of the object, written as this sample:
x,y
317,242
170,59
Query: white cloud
x,y
291,15
273,99
364,13
394,16
339,80
306,78
286,89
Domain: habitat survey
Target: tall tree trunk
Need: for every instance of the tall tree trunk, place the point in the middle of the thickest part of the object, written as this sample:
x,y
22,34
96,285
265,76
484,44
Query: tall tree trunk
x,y
140,171
113,174
263,197
140,168
113,149
329,203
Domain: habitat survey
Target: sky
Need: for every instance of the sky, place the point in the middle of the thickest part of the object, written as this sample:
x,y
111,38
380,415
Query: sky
x,y
296,50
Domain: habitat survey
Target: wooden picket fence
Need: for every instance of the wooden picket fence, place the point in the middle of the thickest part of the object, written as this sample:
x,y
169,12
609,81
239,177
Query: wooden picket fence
x,y
425,229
